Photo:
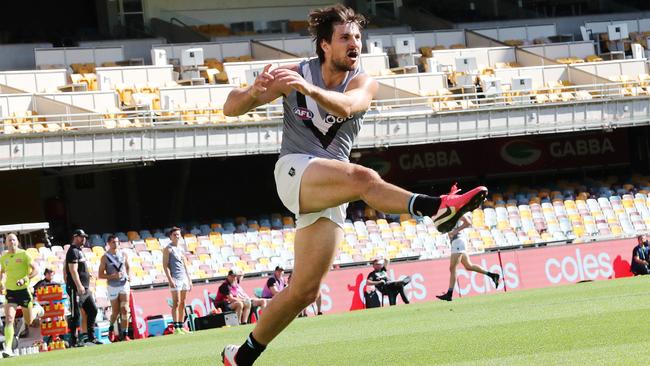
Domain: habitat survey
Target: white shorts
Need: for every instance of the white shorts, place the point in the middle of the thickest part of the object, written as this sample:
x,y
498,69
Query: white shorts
x,y
181,285
458,246
288,175
114,292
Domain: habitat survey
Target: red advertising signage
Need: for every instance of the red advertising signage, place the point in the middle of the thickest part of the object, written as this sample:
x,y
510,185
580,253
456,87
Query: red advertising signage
x,y
343,289
502,155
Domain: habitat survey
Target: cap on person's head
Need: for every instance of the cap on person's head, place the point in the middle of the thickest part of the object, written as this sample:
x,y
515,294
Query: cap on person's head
x,y
174,228
235,272
279,268
79,232
48,271
378,261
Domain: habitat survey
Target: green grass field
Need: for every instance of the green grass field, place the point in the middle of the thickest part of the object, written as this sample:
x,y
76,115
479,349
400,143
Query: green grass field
x,y
600,323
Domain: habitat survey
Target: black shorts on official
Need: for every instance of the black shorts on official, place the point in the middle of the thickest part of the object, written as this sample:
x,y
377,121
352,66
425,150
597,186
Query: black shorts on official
x,y
19,297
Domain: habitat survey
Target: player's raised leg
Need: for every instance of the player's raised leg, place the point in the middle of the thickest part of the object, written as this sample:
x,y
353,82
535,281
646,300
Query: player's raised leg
x,y
329,183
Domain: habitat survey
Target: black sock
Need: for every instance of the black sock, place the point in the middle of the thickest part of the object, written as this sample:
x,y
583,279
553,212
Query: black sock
x,y
423,205
177,325
450,292
110,329
125,332
249,351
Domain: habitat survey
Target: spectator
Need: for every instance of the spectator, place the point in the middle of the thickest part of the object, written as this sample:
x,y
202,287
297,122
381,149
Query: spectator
x,y
256,303
175,267
318,301
114,267
47,279
228,298
38,310
639,264
274,284
379,278
78,288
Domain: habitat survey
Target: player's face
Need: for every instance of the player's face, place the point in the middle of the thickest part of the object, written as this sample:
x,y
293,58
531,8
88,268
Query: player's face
x,y
79,240
12,242
114,243
345,48
175,236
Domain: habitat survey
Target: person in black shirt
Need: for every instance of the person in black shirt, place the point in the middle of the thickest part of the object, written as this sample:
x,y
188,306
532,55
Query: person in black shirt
x,y
639,265
379,278
46,281
78,289
228,297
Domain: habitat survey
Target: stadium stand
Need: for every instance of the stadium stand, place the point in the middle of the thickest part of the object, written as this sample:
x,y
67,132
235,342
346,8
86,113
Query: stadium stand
x,y
518,217
112,93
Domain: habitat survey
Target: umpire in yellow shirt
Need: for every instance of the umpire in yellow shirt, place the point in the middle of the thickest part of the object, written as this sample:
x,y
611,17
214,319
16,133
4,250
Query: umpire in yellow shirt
x,y
17,270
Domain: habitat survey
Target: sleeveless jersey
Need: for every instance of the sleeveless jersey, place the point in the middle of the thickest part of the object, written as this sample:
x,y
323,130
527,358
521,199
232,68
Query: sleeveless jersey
x,y
310,129
115,264
176,267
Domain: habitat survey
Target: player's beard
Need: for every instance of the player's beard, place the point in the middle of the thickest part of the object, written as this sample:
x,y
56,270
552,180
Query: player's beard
x,y
342,65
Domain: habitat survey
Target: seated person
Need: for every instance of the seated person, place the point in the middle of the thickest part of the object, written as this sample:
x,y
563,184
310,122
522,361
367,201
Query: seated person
x,y
256,304
228,300
47,280
318,302
639,263
379,279
274,284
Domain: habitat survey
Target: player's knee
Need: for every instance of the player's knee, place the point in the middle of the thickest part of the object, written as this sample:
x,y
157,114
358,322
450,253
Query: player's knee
x,y
364,178
307,295
124,310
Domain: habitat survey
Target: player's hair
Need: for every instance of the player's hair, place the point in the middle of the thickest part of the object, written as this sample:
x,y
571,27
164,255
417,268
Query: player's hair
x,y
171,231
322,21
111,237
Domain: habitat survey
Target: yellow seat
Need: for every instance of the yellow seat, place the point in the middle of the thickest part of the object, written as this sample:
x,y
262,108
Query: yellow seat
x,y
98,250
32,253
152,244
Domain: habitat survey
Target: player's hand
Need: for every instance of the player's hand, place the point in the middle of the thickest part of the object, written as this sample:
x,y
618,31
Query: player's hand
x,y
81,290
172,284
292,79
262,82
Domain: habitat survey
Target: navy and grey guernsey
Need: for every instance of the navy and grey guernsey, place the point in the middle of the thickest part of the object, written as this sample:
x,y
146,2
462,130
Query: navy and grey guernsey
x,y
176,267
310,129
115,264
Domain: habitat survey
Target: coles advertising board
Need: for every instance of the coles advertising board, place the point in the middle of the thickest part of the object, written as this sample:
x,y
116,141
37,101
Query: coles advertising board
x,y
342,289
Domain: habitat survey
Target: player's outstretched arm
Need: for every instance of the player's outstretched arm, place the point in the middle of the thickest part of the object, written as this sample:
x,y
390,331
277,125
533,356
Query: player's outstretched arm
x,y
262,91
356,98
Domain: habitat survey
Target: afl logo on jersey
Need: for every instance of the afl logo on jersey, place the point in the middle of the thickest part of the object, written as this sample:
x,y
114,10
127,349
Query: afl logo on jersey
x,y
334,119
303,113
